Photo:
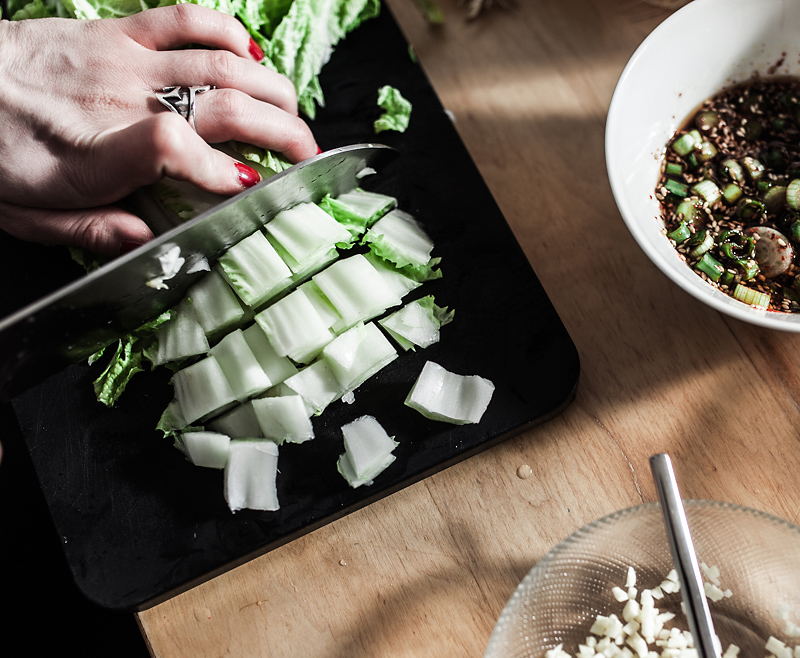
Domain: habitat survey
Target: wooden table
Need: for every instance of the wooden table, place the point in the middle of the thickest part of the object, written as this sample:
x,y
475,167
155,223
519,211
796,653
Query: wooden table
x,y
427,571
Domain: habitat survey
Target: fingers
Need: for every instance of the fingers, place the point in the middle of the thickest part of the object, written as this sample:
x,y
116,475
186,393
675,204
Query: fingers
x,y
225,70
108,230
163,145
167,28
227,114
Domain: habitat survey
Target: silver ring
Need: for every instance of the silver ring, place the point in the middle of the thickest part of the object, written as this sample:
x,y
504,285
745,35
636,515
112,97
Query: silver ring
x,y
181,100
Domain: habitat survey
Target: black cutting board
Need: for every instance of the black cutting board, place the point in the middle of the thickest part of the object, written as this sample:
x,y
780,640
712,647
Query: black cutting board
x,y
139,524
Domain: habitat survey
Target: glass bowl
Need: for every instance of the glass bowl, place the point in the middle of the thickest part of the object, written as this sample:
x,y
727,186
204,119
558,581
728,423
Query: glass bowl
x,y
758,557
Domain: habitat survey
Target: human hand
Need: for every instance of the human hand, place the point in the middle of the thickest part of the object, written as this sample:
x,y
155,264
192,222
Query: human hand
x,y
82,127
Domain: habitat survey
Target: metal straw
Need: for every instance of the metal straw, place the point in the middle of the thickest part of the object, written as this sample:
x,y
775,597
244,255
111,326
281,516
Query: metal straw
x,y
684,557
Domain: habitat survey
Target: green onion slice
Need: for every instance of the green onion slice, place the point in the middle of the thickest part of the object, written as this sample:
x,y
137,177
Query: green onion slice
x,y
793,194
680,234
710,266
731,193
676,187
701,243
750,296
732,170
708,190
688,210
753,167
775,197
686,143
750,210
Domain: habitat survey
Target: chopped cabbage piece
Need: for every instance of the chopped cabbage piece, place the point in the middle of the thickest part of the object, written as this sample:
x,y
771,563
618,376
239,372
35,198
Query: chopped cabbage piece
x,y
442,395
251,474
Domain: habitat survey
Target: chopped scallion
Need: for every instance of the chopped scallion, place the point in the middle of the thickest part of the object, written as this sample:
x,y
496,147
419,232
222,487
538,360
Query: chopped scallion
x,y
673,169
750,210
681,234
708,190
710,266
731,193
775,197
676,187
753,167
750,296
700,243
732,170
793,194
686,143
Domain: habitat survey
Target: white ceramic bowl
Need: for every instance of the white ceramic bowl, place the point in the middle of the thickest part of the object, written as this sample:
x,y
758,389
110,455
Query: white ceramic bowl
x,y
700,49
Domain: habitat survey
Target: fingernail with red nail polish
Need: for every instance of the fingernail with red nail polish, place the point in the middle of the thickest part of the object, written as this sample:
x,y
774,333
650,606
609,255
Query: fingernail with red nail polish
x,y
247,175
127,246
255,52
319,150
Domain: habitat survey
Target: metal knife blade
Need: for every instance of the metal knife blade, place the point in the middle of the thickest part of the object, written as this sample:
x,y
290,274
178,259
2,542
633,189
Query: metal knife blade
x,y
75,321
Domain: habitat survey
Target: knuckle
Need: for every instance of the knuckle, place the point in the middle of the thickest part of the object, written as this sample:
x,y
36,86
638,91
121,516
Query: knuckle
x,y
227,105
92,231
184,14
163,140
223,67
298,136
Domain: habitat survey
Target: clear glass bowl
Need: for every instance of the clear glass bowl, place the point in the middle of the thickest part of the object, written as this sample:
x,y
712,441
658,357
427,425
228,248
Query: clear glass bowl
x,y
758,556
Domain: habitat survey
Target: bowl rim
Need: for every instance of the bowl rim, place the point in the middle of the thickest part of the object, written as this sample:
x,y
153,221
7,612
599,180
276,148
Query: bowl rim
x,y
702,291
633,510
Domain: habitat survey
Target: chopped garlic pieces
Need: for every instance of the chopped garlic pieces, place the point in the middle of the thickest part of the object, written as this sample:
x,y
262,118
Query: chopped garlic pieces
x,y
642,631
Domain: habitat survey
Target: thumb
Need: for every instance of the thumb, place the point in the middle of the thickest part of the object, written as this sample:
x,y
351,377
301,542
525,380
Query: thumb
x,y
106,230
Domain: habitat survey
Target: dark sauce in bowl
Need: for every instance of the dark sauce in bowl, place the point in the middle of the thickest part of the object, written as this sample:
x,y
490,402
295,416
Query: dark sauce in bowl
x,y
729,192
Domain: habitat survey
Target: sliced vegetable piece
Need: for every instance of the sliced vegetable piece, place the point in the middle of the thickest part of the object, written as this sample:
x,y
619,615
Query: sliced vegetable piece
x,y
358,209
357,354
681,233
238,423
240,366
687,142
317,385
750,296
397,282
180,337
307,233
441,395
277,367
793,194
215,304
399,237
330,316
294,327
284,418
707,189
417,324
202,390
254,270
251,474
368,451
397,110
710,266
207,449
356,290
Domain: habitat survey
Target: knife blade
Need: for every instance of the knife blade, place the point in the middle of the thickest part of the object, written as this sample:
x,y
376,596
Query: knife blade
x,y
74,322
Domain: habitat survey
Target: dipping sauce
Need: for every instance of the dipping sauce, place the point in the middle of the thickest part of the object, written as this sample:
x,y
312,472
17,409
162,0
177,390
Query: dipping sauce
x,y
730,192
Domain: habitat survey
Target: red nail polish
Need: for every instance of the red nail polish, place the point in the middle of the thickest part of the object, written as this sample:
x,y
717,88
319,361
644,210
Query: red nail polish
x,y
247,175
255,52
128,246
319,150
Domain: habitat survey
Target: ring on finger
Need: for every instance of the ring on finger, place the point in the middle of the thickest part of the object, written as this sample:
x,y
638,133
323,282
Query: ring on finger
x,y
181,100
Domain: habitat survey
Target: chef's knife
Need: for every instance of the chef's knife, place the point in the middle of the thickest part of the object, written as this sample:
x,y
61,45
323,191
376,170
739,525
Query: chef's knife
x,y
77,320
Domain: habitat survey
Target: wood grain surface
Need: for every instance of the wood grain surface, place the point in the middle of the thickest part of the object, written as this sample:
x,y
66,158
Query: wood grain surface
x,y
427,571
